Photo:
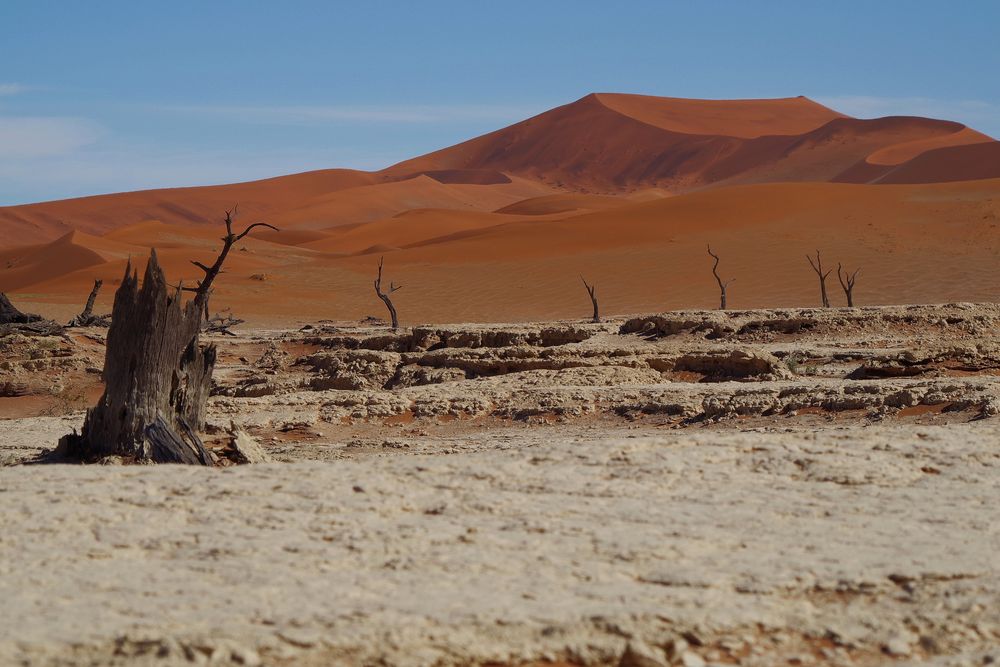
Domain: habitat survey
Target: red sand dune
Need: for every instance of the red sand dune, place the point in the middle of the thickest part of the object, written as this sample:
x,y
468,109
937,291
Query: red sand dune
x,y
900,153
747,119
626,189
103,213
405,229
381,200
561,203
468,176
32,264
914,243
954,163
619,143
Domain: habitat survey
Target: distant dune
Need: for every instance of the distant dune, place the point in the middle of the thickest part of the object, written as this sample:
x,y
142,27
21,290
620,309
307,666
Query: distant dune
x,y
943,165
626,189
611,144
746,119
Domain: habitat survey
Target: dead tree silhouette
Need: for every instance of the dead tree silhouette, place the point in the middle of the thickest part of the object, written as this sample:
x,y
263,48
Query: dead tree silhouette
x,y
592,291
87,317
385,295
818,268
723,286
847,282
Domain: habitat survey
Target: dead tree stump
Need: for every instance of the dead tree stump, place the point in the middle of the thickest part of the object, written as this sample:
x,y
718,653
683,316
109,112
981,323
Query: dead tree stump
x,y
157,375
154,369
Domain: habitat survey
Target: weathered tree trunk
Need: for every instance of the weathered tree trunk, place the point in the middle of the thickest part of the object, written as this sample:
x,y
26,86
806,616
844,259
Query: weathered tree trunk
x,y
817,266
592,291
155,372
29,324
723,286
87,317
9,314
385,295
88,309
166,445
393,318
847,281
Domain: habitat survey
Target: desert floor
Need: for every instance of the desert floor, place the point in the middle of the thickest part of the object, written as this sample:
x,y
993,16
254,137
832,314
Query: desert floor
x,y
749,487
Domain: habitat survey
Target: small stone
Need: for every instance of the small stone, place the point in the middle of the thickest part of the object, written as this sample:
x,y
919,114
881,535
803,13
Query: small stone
x,y
219,655
246,656
732,644
692,659
247,449
898,646
638,654
676,647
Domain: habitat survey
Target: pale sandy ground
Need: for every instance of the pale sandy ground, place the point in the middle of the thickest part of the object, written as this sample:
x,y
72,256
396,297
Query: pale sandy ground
x,y
837,545
511,495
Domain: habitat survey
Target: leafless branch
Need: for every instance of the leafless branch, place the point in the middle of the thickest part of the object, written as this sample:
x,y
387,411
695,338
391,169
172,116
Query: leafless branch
x,y
211,272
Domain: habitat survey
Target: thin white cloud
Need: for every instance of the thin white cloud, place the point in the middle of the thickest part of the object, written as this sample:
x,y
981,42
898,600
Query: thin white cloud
x,y
978,114
38,136
407,114
117,168
11,89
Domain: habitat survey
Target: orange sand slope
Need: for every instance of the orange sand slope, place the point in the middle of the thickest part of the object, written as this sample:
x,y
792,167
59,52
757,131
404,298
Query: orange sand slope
x,y
619,143
914,243
103,213
747,119
626,189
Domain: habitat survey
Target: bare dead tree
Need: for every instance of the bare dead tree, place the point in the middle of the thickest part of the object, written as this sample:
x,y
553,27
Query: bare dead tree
x,y
87,317
9,313
385,295
13,320
847,282
203,290
222,323
818,268
592,291
157,375
723,286
88,309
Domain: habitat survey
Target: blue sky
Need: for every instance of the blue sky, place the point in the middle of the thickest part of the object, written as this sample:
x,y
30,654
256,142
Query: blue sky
x,y
107,96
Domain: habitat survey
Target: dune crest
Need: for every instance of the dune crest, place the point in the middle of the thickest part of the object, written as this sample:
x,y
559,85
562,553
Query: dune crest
x,y
746,119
